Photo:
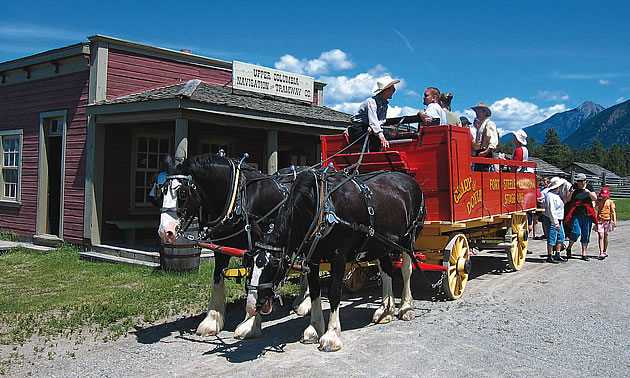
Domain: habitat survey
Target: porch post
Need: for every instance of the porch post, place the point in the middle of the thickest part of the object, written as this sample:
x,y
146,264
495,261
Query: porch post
x,y
272,151
181,140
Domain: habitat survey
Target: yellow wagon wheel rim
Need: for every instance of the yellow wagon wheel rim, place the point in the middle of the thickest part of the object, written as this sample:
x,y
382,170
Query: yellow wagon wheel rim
x,y
356,280
457,260
518,249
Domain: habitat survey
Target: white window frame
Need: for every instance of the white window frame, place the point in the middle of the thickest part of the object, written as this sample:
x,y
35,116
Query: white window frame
x,y
19,134
144,133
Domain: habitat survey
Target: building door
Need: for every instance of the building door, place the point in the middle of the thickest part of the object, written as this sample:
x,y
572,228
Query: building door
x,y
51,174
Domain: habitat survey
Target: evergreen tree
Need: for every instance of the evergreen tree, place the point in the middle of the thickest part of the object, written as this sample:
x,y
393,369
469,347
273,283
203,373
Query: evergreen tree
x,y
554,151
627,154
596,152
615,161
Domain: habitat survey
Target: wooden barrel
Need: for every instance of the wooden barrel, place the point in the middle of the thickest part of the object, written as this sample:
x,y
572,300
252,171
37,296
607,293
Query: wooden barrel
x,y
183,255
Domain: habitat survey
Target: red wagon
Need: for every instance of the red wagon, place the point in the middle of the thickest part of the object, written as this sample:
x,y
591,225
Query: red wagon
x,y
465,208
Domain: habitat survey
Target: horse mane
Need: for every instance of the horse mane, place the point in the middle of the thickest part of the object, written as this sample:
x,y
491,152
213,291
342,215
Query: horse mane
x,y
295,217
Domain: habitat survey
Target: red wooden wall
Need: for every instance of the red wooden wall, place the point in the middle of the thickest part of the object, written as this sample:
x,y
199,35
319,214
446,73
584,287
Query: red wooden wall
x,y
129,73
20,106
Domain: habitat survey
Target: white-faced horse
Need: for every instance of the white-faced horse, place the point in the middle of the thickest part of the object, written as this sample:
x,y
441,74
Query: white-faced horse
x,y
235,204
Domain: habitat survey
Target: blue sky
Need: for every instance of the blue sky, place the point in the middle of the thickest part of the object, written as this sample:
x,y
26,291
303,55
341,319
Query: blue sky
x,y
526,59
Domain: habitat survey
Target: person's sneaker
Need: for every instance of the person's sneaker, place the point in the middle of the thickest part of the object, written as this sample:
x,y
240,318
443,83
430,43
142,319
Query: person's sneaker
x,y
601,257
552,260
585,258
559,258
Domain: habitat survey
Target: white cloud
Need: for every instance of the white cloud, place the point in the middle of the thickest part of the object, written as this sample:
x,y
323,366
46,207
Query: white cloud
x,y
37,32
604,82
397,111
511,114
620,100
329,60
551,96
589,76
343,89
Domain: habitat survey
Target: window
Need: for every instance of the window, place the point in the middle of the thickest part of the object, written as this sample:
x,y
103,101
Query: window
x,y
11,165
214,144
150,152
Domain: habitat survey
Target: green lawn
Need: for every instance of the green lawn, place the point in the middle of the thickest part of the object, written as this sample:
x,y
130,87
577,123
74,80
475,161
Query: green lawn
x,y
623,208
56,293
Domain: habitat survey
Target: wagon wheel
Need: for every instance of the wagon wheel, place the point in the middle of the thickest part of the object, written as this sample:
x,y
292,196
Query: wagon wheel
x,y
457,259
355,278
517,251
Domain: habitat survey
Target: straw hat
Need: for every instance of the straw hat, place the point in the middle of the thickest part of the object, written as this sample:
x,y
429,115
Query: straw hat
x,y
484,107
580,177
521,136
384,83
555,182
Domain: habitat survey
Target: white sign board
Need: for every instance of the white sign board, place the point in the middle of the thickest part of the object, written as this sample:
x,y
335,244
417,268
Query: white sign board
x,y
259,79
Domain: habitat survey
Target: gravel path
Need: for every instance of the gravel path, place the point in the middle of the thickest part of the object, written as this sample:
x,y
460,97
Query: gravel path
x,y
546,320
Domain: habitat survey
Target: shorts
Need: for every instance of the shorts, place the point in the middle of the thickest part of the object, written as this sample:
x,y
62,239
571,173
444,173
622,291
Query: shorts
x,y
554,236
581,226
604,226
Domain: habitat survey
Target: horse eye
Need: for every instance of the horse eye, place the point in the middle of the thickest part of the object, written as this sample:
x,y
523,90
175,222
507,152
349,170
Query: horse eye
x,y
182,194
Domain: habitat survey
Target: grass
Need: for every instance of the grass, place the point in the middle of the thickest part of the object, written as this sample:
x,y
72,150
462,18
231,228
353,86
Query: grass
x,y
57,294
623,208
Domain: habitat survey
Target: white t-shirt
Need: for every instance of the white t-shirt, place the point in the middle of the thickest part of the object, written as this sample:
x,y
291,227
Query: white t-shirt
x,y
434,110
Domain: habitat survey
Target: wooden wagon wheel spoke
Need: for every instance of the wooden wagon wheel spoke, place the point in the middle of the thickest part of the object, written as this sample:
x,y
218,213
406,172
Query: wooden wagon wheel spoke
x,y
457,259
517,252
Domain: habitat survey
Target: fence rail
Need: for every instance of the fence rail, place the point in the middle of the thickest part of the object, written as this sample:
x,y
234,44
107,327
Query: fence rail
x,y
619,187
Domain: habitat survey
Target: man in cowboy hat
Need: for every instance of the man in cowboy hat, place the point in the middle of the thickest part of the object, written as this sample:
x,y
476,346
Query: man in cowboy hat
x,y
372,114
554,213
433,114
487,138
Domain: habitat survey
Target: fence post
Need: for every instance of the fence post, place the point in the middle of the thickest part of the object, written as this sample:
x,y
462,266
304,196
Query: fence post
x,y
603,179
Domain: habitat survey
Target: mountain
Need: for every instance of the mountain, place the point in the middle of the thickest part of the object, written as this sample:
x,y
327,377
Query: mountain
x,y
564,123
609,126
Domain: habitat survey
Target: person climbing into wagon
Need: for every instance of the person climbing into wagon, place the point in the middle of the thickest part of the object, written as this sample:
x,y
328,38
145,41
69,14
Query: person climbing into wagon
x,y
372,114
580,214
433,114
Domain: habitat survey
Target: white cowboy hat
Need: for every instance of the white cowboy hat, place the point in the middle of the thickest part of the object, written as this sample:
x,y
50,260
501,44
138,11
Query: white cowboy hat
x,y
383,84
521,136
555,182
484,107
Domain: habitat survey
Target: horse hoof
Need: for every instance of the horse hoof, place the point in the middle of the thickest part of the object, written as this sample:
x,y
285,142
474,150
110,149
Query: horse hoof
x,y
310,336
249,329
210,326
407,315
304,308
330,343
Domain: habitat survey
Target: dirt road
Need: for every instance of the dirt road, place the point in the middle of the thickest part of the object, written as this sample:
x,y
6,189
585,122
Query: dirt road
x,y
569,319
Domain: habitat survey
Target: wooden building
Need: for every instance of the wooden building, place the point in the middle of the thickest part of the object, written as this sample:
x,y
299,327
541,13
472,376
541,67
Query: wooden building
x,y
83,129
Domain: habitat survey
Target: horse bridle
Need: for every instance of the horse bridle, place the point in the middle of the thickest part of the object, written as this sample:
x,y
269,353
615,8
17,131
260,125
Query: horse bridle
x,y
189,185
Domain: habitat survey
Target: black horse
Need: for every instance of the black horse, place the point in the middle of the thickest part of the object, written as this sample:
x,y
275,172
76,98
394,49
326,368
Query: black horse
x,y
235,203
340,219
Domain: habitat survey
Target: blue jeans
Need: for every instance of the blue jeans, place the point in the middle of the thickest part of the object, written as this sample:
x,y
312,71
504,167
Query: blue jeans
x,y
554,236
581,227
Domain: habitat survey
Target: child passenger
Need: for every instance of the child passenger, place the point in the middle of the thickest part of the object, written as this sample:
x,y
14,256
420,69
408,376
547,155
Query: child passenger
x,y
606,220
554,212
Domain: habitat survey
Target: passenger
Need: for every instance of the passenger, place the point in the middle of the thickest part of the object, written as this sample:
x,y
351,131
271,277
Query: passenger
x,y
466,123
581,214
554,211
521,153
433,114
487,138
372,114
445,103
606,220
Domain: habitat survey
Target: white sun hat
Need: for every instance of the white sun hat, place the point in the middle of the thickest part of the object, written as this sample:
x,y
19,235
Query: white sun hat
x,y
521,136
383,84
